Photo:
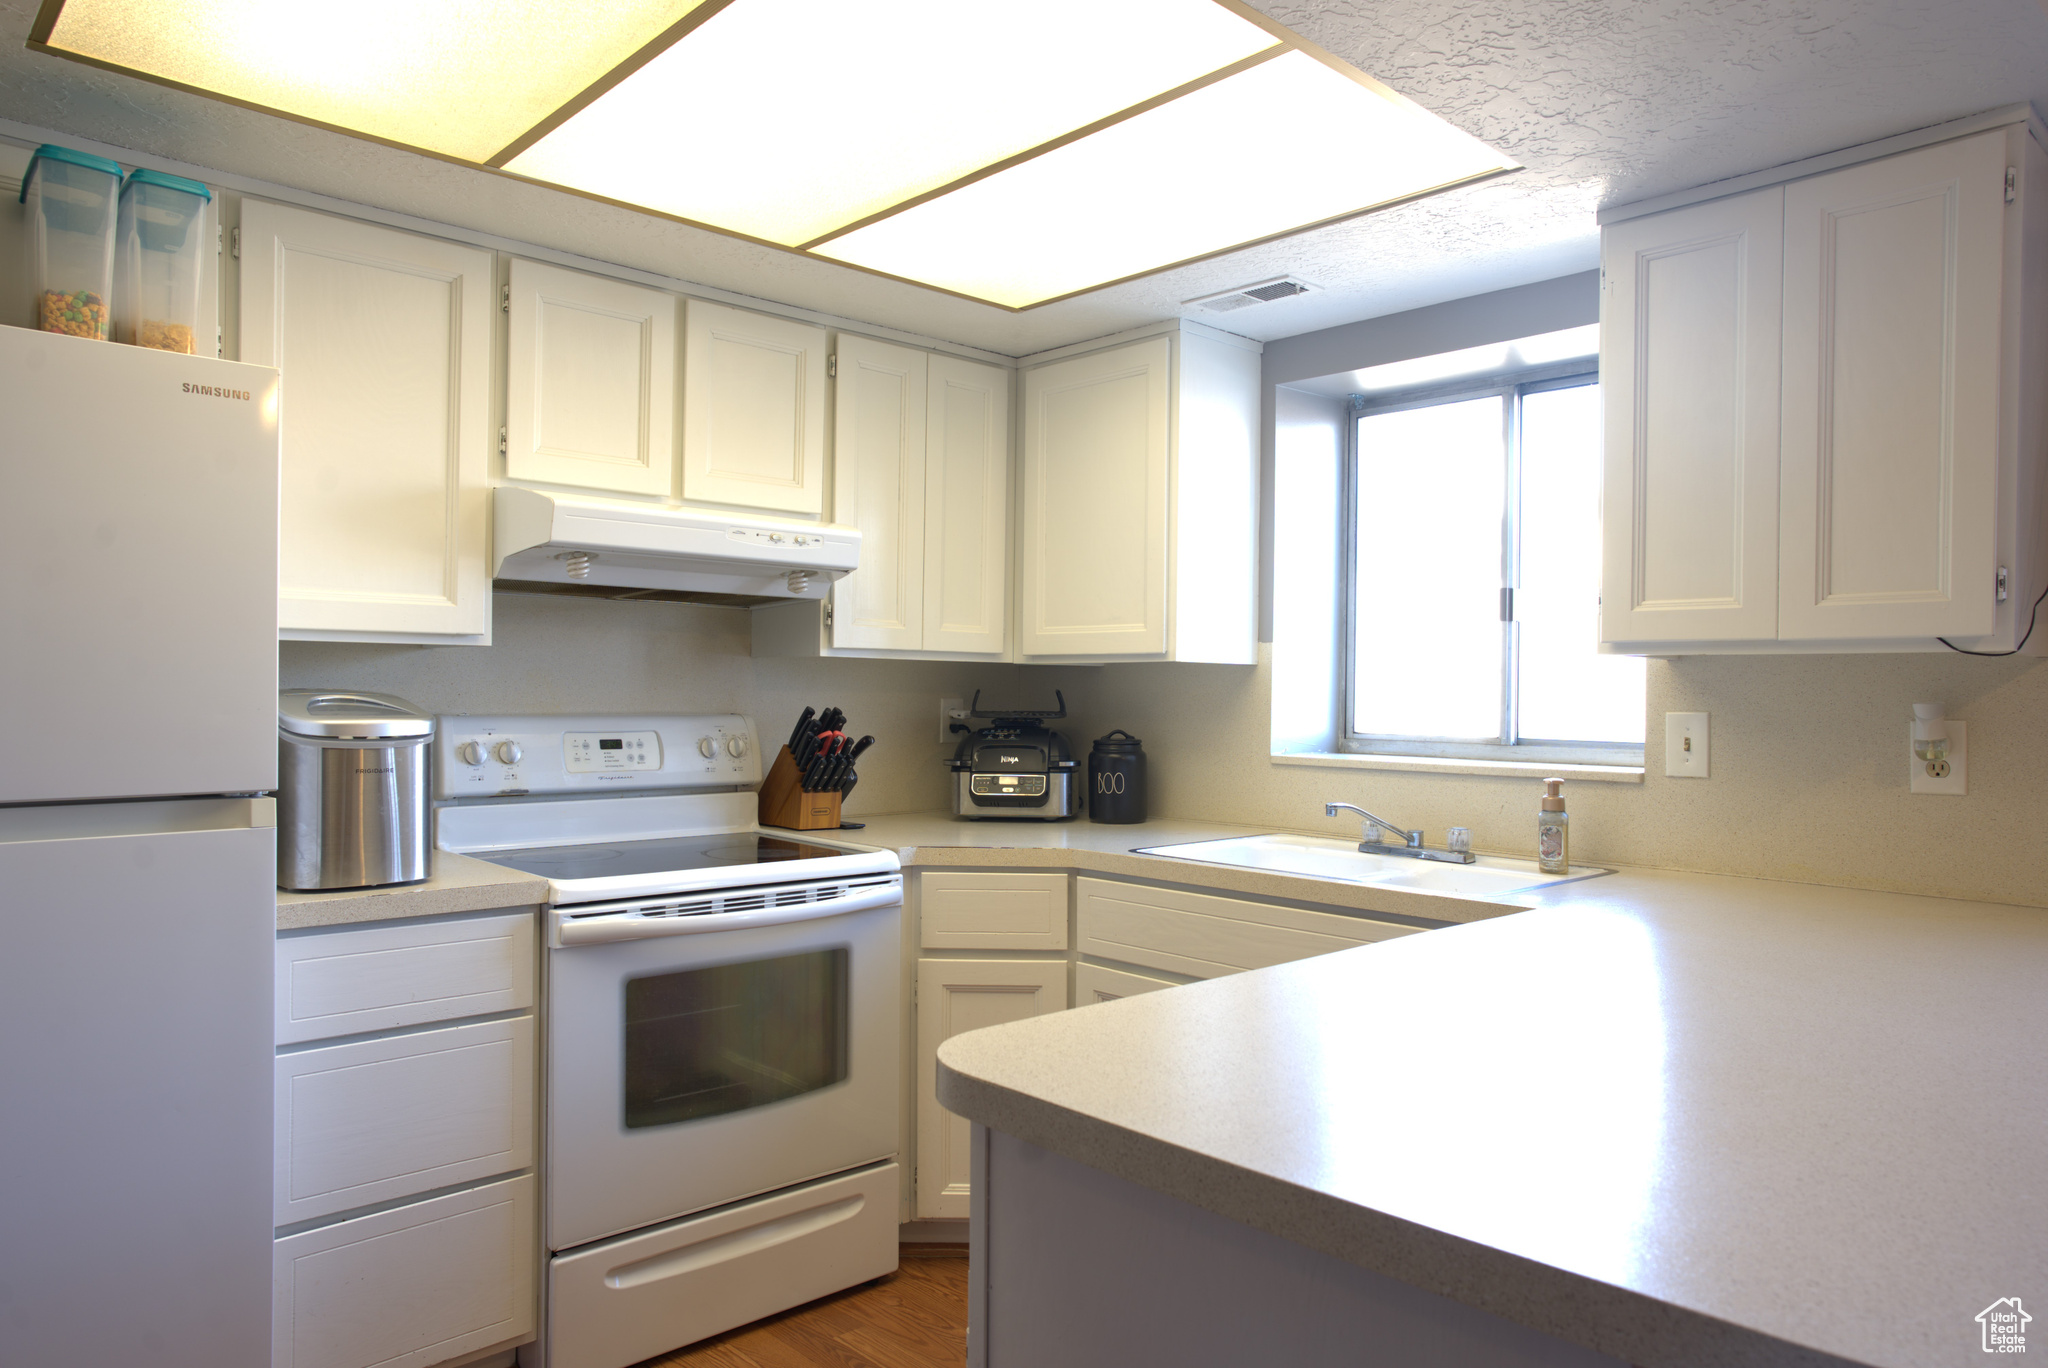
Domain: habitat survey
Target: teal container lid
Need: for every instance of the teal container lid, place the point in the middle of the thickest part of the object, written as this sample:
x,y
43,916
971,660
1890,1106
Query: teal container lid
x,y
52,152
145,176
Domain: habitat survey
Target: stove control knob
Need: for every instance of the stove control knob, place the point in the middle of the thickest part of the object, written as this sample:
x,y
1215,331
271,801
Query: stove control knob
x,y
736,747
707,748
470,753
509,752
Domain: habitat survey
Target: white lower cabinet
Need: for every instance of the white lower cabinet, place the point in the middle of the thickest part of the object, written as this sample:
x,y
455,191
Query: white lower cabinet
x,y
374,1120
977,910
1136,926
955,996
628,1299
404,1136
410,1287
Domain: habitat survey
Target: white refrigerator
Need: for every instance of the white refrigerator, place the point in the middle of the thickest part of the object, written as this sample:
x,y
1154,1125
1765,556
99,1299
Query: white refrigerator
x,y
138,679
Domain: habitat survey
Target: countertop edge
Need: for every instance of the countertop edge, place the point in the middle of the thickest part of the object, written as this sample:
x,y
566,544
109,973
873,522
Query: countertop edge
x,y
1629,1325
458,884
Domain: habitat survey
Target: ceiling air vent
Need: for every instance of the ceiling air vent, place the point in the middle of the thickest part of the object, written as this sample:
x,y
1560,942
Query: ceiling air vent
x,y
1244,296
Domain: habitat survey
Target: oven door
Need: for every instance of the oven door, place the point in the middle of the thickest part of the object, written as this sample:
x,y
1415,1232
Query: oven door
x,y
695,1060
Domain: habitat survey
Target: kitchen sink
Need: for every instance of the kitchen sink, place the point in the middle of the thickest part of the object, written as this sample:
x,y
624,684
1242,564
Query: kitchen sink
x,y
1326,857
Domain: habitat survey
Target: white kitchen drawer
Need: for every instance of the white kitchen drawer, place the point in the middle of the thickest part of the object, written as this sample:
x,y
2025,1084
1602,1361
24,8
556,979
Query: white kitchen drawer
x,y
1205,936
978,911
377,1120
393,974
409,1287
640,1295
1095,983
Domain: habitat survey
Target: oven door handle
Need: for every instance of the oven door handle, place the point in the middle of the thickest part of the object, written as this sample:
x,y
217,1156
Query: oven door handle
x,y
602,927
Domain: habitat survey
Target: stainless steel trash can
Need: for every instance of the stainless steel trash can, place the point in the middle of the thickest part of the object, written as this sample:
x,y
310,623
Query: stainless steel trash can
x,y
352,789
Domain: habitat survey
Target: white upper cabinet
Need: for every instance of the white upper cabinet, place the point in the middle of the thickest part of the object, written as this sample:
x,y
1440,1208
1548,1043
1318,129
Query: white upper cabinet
x,y
590,396
921,465
753,410
1823,426
1689,371
1140,490
878,471
1894,273
966,506
383,342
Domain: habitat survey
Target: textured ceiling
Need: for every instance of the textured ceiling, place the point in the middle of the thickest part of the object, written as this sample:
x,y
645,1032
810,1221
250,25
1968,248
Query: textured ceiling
x,y
1604,101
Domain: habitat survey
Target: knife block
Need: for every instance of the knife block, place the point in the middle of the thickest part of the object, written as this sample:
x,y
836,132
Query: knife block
x,y
783,802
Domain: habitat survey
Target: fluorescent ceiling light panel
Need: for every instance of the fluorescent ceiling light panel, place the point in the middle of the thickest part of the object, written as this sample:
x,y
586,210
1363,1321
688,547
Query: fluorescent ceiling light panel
x,y
788,119
1284,145
464,78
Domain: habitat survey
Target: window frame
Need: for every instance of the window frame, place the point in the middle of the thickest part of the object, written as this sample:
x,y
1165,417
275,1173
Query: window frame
x,y
1508,745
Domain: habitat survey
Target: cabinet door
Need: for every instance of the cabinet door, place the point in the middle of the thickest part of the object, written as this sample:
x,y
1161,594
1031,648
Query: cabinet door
x,y
878,484
382,339
1095,461
976,910
1095,983
753,410
377,1120
967,507
1893,284
410,1287
590,384
955,996
1689,366
1204,936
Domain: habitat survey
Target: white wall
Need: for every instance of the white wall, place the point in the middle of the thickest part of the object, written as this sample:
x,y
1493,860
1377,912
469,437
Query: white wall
x,y
552,655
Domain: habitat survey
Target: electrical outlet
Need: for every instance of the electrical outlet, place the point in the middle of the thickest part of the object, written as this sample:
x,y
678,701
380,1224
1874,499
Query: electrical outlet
x,y
947,707
1685,745
1953,769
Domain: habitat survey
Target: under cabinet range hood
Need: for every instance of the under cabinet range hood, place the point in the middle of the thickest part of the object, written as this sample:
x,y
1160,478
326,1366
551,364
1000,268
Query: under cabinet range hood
x,y
609,548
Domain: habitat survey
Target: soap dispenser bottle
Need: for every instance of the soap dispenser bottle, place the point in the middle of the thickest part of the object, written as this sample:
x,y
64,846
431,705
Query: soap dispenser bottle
x,y
1553,853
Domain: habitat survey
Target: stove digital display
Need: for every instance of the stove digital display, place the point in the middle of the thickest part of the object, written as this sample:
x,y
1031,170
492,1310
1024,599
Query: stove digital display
x,y
610,743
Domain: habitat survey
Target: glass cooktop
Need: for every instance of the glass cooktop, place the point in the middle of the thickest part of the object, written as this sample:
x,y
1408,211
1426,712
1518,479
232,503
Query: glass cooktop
x,y
670,854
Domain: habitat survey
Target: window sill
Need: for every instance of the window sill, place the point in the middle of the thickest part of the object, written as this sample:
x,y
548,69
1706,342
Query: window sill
x,y
1432,764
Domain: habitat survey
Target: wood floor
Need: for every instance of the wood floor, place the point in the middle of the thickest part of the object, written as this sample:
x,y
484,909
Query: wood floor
x,y
914,1318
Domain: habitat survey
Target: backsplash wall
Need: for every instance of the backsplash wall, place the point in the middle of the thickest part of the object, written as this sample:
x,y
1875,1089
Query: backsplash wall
x,y
557,655
1808,775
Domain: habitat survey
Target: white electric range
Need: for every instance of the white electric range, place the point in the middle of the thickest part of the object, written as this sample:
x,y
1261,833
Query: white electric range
x,y
722,1022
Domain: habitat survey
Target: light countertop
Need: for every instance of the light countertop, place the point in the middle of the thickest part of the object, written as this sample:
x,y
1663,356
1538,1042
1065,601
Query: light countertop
x,y
1677,1118
458,884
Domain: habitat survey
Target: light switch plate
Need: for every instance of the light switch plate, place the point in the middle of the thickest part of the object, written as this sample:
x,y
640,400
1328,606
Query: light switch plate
x,y
947,707
1958,762
1685,745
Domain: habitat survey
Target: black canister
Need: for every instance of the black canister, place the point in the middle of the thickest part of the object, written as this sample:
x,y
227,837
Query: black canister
x,y
1116,779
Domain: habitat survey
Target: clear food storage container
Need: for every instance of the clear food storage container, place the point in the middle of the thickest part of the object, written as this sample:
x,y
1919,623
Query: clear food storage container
x,y
70,198
157,260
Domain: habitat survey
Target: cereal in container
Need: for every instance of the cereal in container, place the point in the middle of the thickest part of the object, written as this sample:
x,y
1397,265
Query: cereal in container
x,y
71,216
158,260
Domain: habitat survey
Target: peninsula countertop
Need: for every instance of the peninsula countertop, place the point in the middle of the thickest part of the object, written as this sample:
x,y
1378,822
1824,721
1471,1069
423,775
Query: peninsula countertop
x,y
1680,1119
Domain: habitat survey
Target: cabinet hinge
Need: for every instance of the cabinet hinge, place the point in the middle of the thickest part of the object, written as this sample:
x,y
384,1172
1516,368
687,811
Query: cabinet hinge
x,y
2012,184
828,612
220,239
504,442
220,341
2004,585
832,364
1507,605
504,299
235,244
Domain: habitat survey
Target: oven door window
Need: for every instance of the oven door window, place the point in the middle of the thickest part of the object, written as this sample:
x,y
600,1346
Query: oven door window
x,y
727,1037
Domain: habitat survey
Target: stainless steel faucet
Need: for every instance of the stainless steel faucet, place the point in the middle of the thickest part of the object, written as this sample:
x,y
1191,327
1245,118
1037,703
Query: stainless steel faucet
x,y
1410,841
